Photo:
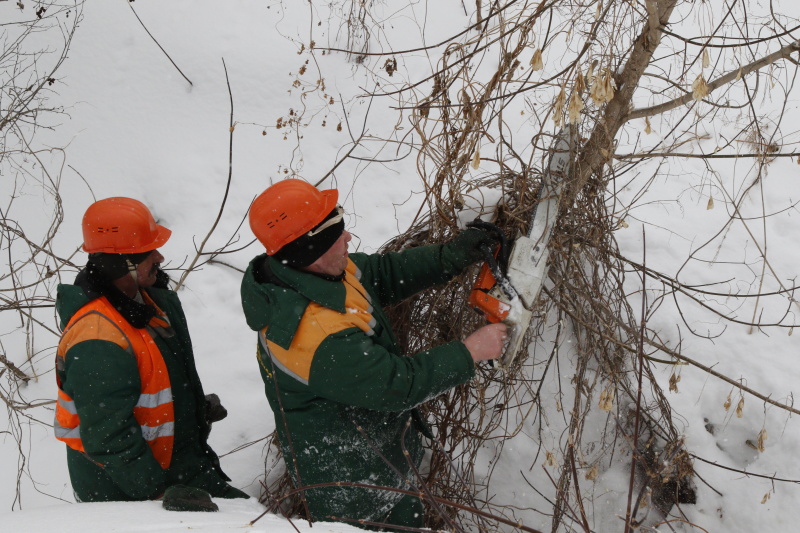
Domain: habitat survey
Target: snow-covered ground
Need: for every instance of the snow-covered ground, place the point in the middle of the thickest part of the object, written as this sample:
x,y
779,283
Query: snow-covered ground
x,y
133,517
135,127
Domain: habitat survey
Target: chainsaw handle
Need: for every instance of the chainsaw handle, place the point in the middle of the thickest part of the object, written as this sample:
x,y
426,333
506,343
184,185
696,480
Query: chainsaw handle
x,y
505,250
499,275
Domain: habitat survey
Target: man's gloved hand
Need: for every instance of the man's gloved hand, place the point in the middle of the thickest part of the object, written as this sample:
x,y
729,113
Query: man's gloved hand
x,y
476,235
183,498
214,409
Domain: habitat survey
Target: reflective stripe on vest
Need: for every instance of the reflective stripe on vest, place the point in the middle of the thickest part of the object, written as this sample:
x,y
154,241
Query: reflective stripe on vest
x,y
154,410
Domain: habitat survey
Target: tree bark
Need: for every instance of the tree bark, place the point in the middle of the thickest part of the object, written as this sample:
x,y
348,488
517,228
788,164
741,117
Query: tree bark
x,y
600,147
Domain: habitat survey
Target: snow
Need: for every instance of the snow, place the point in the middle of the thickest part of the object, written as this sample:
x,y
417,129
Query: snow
x,y
138,517
134,127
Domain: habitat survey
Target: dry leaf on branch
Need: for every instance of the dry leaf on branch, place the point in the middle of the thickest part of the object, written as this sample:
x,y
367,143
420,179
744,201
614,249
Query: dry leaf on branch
x,y
536,60
558,108
550,459
606,402
699,88
674,379
580,82
762,436
476,159
575,108
603,87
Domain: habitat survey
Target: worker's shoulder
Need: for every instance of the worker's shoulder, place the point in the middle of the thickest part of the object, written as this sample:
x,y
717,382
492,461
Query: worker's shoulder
x,y
90,324
318,324
325,321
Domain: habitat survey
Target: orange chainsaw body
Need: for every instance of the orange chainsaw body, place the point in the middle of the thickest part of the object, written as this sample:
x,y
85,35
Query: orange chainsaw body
x,y
482,299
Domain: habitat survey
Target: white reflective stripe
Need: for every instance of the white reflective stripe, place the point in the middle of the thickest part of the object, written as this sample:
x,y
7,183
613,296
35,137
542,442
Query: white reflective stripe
x,y
372,322
66,433
151,433
358,274
68,406
262,338
154,400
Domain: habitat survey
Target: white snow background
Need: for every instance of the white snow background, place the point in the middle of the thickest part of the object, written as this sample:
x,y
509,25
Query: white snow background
x,y
134,127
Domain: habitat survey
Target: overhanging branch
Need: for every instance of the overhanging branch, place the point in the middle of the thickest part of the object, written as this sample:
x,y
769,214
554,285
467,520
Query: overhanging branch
x,y
783,53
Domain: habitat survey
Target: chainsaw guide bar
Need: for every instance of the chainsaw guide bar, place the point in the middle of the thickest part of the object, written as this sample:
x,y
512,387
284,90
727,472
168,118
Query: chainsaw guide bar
x,y
528,261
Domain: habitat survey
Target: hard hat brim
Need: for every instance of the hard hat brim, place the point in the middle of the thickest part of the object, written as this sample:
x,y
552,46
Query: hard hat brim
x,y
162,236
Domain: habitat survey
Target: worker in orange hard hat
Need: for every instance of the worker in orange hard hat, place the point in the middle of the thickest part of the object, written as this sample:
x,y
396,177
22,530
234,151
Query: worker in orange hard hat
x,y
341,390
131,408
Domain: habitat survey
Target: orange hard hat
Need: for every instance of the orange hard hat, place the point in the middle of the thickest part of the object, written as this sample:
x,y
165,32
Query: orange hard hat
x,y
121,225
287,210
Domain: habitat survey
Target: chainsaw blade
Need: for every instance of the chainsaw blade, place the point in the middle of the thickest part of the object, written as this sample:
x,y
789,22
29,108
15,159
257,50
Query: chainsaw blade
x,y
527,266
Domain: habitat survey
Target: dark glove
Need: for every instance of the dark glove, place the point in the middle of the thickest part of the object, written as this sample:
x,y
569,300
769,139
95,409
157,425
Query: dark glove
x,y
477,235
214,410
183,498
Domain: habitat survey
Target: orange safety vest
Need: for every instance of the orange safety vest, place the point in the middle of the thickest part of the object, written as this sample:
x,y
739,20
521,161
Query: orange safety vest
x,y
98,320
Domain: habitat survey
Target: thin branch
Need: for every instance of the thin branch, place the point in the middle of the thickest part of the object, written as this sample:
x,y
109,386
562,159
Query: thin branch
x,y
765,61
231,128
703,156
639,374
14,369
158,44
745,472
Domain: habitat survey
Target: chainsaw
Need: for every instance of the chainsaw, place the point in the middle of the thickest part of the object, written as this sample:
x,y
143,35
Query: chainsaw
x,y
509,284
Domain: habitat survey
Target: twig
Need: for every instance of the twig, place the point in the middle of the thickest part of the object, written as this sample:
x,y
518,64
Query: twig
x,y
223,263
231,128
640,355
702,156
461,479
277,506
14,369
424,486
578,498
356,142
745,472
158,44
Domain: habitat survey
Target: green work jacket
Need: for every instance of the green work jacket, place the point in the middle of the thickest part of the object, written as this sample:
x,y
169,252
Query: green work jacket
x,y
343,395
103,380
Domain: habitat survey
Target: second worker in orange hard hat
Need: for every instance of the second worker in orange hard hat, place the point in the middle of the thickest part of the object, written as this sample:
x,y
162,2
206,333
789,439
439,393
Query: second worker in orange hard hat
x,y
131,408
341,390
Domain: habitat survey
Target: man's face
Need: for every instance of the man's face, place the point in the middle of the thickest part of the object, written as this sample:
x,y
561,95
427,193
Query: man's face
x,y
146,270
334,261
